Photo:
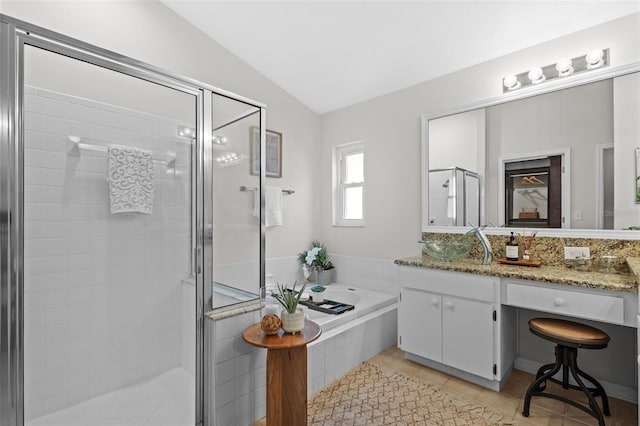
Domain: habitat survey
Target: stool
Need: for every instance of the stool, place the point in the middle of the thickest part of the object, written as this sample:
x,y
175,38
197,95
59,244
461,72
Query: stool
x,y
568,337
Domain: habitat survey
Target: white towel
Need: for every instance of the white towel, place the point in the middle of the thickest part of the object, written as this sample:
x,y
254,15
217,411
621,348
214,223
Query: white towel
x,y
256,203
130,177
273,209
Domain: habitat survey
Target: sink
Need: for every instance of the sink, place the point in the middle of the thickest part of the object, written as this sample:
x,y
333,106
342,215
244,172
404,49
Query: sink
x,y
446,251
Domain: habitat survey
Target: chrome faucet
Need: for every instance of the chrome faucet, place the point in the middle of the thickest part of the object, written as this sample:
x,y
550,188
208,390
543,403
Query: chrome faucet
x,y
487,257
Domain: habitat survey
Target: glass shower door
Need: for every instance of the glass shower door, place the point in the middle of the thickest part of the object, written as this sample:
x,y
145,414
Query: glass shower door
x,y
109,298
236,202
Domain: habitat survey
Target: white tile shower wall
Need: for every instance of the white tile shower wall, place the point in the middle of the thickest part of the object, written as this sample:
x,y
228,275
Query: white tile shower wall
x,y
102,291
239,374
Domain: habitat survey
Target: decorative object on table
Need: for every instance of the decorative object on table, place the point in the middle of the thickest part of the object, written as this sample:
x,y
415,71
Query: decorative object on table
x,y
292,316
273,152
317,293
526,242
270,324
608,264
529,213
316,259
511,249
520,262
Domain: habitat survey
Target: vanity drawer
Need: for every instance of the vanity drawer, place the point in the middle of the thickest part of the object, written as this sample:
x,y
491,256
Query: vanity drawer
x,y
598,307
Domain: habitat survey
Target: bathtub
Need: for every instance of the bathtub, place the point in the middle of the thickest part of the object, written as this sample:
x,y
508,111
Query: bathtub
x,y
365,302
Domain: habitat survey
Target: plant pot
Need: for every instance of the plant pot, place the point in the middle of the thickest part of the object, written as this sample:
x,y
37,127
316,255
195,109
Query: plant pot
x,y
292,323
324,277
317,296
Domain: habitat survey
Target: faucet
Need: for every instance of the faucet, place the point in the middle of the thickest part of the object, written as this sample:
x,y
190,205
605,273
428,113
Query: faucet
x,y
484,241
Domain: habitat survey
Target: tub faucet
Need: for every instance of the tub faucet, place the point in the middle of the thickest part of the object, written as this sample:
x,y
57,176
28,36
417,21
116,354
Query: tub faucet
x,y
487,257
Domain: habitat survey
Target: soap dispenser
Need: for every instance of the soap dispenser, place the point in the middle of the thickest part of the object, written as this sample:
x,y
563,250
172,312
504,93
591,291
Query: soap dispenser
x,y
512,248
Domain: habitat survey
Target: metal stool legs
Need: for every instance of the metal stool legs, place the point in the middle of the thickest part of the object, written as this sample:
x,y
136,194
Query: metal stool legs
x,y
566,359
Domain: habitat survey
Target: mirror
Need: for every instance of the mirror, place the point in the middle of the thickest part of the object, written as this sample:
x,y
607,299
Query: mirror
x,y
543,161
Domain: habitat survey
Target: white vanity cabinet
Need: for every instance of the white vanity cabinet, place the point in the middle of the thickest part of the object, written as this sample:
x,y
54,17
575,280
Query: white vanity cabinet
x,y
450,318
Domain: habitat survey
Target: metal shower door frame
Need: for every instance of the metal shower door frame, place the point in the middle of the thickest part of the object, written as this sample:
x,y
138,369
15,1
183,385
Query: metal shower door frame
x,y
14,35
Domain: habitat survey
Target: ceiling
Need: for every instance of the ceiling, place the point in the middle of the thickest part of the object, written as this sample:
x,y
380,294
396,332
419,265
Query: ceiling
x,y
332,54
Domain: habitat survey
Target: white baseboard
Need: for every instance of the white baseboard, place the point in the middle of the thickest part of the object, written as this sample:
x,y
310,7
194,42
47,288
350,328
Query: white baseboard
x,y
613,390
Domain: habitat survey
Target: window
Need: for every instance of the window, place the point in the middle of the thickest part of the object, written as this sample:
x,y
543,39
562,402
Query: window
x,y
348,172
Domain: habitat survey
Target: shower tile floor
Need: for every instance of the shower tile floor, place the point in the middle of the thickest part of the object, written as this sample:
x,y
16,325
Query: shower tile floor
x,y
165,400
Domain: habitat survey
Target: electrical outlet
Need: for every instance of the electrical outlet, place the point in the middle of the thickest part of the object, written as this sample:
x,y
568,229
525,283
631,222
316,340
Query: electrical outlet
x,y
577,253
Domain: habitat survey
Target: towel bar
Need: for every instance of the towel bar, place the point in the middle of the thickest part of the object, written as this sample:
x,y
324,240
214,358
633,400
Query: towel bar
x,y
253,188
75,145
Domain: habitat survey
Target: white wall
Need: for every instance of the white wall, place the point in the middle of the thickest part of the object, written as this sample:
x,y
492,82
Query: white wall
x,y
152,33
627,138
458,141
390,127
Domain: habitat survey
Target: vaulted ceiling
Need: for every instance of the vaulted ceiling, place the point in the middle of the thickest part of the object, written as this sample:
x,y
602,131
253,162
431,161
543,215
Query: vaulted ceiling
x,y
331,54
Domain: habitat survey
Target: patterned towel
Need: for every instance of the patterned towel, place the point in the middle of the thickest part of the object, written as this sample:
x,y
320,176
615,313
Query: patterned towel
x,y
130,178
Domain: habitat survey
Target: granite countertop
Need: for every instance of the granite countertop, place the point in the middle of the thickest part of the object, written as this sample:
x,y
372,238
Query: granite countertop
x,y
627,282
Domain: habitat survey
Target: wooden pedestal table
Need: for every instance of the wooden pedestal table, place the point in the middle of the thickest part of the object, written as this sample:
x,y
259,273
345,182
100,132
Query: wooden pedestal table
x,y
286,372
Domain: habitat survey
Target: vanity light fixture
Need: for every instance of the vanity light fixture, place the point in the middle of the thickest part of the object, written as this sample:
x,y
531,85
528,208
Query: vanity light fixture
x,y
595,59
186,132
190,133
563,68
536,75
511,82
229,159
220,140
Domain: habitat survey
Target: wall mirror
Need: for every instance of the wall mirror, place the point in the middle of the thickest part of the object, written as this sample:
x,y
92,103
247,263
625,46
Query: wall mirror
x,y
546,160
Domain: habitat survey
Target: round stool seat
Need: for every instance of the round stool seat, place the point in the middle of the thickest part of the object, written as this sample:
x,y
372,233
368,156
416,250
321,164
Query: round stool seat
x,y
569,333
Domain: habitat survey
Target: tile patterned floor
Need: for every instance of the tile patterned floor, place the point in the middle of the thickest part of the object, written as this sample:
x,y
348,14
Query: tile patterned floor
x,y
544,411
166,400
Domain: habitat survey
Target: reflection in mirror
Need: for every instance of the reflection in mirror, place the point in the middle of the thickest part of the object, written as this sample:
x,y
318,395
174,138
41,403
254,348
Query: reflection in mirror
x,y
573,128
236,225
456,162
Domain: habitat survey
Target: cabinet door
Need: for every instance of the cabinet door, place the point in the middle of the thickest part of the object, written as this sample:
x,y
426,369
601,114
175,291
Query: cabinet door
x,y
420,324
467,328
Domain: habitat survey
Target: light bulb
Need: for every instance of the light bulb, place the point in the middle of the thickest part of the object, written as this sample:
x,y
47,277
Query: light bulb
x,y
594,58
511,82
536,75
564,67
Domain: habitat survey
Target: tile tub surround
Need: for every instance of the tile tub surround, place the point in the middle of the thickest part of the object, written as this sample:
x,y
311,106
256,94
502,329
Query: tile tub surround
x,y
239,370
550,250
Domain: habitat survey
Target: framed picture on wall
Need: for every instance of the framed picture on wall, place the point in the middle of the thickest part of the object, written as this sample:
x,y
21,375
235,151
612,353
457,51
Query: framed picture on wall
x,y
273,148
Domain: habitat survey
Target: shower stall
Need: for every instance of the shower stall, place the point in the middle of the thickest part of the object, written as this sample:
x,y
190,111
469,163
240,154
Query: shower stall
x,y
454,197
108,261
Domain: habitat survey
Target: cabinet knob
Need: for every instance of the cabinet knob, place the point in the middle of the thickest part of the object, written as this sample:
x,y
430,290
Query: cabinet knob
x,y
558,301
434,302
449,305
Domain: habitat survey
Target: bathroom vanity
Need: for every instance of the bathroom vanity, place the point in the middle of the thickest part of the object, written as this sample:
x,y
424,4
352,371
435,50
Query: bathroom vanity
x,y
462,317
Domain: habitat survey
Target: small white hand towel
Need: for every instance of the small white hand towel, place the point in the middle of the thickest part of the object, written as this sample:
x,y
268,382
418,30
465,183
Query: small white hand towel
x,y
256,203
130,177
273,209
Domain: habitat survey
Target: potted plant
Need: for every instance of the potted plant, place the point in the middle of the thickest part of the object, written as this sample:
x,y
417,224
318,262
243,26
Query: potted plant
x,y
316,259
292,316
317,293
